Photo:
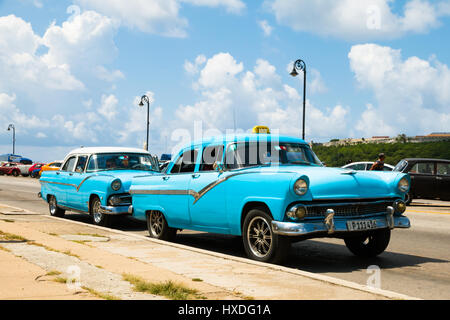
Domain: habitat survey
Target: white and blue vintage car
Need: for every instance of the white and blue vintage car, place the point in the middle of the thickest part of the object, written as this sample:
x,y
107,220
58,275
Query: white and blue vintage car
x,y
96,181
271,190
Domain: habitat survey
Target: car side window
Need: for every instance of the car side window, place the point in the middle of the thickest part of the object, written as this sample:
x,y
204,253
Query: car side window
x,y
423,168
81,163
210,155
443,169
186,162
359,166
69,164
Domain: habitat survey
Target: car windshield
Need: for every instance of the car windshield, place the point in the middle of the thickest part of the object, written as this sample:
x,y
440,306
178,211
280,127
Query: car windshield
x,y
401,165
249,154
122,161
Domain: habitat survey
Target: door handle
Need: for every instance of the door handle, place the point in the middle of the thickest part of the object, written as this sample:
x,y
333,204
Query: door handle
x,y
165,178
70,174
195,175
58,173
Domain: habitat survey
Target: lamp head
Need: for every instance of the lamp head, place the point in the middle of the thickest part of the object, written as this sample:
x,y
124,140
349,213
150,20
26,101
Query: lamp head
x,y
294,72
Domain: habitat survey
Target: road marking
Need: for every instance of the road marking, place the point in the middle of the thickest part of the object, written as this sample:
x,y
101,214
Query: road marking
x,y
423,211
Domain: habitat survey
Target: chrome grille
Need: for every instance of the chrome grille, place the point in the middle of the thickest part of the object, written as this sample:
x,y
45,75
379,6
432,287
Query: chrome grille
x,y
352,209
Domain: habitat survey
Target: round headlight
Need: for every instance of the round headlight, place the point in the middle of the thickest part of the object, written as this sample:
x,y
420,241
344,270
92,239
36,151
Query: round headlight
x,y
114,200
399,206
116,184
297,212
403,185
300,187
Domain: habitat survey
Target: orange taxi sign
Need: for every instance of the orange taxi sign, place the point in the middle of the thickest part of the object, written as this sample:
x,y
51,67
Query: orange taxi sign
x,y
261,129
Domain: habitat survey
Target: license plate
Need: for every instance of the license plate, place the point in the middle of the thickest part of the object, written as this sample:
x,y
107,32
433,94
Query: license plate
x,y
357,225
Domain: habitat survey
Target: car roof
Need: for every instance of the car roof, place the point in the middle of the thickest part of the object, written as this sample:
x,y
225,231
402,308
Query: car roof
x,y
92,150
365,162
425,159
225,139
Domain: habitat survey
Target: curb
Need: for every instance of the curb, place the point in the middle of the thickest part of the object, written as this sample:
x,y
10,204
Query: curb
x,y
322,278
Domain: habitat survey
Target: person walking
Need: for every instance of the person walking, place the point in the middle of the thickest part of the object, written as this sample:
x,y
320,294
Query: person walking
x,y
379,164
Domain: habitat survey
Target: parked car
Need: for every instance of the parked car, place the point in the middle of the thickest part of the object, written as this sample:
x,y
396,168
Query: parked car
x,y
34,169
366,165
271,190
52,166
96,181
24,167
430,178
10,168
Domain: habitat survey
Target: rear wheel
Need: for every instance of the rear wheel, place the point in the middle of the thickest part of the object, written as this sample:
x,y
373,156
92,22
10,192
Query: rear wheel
x,y
99,218
55,211
369,245
260,242
158,227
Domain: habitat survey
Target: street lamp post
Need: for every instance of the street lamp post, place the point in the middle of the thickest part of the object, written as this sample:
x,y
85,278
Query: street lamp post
x,y
11,126
146,99
300,65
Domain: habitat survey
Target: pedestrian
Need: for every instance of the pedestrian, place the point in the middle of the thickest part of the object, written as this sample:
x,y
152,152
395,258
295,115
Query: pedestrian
x,y
379,164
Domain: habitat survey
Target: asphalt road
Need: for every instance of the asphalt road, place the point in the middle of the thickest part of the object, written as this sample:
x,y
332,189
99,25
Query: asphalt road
x,y
416,263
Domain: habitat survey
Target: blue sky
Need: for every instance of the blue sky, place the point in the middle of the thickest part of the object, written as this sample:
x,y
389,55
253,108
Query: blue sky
x,y
72,72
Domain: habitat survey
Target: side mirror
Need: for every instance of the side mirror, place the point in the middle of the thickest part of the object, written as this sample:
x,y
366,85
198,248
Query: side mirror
x,y
218,166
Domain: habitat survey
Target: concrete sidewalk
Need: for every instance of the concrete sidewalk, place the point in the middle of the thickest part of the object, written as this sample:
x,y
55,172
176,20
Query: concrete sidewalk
x,y
101,261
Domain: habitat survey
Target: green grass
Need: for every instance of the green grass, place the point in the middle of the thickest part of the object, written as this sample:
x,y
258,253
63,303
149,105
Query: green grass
x,y
197,280
101,295
11,237
168,289
53,273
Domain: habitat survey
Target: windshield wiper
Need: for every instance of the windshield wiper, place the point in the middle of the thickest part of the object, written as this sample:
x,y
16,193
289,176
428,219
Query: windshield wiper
x,y
299,162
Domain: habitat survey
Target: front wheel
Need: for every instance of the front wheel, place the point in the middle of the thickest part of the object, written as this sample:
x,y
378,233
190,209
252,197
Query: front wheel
x,y
158,227
15,173
99,218
260,242
55,211
369,245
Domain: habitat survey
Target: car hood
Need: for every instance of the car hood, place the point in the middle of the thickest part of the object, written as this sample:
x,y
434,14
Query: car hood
x,y
336,183
126,176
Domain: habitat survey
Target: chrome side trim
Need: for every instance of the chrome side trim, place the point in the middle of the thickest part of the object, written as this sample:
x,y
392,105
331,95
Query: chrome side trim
x,y
77,187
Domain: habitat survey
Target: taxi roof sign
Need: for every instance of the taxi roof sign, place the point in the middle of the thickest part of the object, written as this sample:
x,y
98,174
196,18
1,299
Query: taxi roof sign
x,y
261,129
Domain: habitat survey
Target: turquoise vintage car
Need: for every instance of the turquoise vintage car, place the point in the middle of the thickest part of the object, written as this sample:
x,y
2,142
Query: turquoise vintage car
x,y
271,190
96,181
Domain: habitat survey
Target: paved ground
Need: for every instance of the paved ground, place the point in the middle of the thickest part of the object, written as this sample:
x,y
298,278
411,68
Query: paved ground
x,y
416,262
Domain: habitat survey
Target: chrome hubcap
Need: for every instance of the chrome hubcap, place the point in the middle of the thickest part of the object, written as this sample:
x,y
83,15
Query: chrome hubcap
x,y
96,212
156,223
259,237
52,203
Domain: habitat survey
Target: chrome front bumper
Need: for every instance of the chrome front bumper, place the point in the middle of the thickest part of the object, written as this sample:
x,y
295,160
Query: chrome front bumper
x,y
118,210
331,225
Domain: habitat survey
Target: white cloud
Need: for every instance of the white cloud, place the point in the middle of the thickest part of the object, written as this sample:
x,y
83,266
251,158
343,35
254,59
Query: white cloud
x,y
160,17
152,16
23,122
106,75
266,27
21,67
256,96
192,68
85,40
357,20
232,6
412,94
108,107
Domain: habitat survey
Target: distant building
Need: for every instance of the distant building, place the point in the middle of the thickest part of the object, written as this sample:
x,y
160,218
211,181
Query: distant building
x,y
435,136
